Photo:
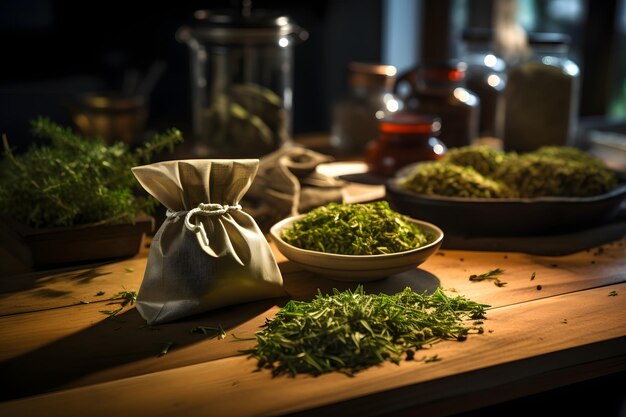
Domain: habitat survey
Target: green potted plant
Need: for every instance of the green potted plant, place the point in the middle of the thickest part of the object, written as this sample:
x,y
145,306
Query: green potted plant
x,y
74,199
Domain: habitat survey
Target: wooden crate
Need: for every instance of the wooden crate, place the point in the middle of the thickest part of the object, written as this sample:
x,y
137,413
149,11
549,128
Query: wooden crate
x,y
60,246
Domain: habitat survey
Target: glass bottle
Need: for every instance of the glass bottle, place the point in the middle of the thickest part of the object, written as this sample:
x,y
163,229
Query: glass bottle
x,y
486,77
542,96
404,139
369,99
241,81
438,89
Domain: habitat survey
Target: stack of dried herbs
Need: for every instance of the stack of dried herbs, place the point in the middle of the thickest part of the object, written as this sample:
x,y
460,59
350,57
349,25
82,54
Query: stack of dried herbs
x,y
349,331
70,180
476,171
355,229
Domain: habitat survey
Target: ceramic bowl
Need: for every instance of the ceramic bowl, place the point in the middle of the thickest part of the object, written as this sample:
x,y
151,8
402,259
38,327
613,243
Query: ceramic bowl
x,y
356,268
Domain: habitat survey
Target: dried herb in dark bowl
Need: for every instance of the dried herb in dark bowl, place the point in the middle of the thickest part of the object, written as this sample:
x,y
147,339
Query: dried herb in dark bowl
x,y
476,171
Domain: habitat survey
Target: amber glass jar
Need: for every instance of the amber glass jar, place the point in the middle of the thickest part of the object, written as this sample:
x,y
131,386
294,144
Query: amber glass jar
x,y
438,89
404,139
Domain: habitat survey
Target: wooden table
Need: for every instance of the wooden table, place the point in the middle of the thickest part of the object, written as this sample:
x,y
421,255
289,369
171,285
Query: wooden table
x,y
61,356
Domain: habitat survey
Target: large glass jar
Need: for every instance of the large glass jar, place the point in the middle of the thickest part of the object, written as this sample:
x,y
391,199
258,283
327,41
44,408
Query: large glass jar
x,y
369,99
438,89
486,76
241,82
542,96
404,139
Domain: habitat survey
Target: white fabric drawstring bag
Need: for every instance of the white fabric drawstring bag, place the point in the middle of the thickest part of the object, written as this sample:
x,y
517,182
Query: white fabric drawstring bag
x,y
208,253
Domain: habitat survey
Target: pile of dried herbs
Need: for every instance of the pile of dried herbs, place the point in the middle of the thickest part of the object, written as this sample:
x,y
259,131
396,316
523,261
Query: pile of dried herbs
x,y
568,154
477,171
70,180
349,331
539,175
483,159
446,179
355,229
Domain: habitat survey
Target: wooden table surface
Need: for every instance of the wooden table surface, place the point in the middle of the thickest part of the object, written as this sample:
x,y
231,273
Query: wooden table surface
x,y
59,355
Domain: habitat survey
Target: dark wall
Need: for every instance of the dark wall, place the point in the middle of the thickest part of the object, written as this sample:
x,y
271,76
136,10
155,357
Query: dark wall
x,y
63,48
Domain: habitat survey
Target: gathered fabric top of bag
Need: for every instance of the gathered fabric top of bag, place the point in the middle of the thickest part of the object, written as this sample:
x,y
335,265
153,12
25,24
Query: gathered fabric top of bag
x,y
185,184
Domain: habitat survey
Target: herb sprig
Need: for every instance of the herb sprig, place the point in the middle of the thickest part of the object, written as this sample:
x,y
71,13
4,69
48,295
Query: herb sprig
x,y
349,331
123,298
491,275
210,331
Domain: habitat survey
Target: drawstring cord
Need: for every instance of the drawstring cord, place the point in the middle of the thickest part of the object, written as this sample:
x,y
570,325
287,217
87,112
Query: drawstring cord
x,y
203,210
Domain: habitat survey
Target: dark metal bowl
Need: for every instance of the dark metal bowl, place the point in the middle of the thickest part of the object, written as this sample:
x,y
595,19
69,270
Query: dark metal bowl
x,y
507,216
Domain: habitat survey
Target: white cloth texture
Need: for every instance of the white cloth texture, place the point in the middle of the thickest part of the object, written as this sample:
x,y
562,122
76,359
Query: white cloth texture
x,y
208,253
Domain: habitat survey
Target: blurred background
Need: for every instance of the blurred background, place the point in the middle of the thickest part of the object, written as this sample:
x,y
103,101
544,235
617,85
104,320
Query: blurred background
x,y
60,49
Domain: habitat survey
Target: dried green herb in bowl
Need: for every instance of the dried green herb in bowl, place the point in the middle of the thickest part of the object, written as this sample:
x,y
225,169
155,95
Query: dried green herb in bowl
x,y
356,229
356,242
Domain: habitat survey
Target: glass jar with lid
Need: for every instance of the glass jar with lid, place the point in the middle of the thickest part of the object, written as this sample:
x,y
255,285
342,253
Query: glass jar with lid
x,y
369,99
241,81
404,138
542,96
437,88
486,77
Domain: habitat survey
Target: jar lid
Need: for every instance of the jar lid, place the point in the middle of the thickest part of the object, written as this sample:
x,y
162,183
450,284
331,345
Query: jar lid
x,y
226,27
362,74
548,38
410,123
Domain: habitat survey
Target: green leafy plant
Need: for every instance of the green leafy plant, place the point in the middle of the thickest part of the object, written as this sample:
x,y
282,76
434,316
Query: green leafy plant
x,y
355,229
71,180
349,331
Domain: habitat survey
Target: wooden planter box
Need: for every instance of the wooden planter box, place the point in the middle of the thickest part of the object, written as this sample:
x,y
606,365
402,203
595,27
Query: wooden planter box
x,y
71,245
